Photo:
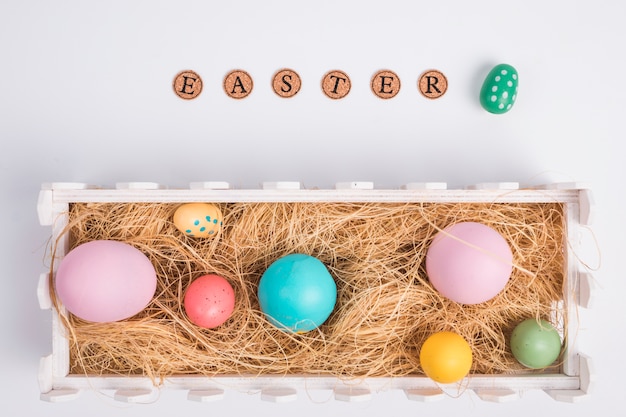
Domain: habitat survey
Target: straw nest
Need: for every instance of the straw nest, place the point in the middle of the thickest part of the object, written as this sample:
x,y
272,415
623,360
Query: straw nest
x,y
385,308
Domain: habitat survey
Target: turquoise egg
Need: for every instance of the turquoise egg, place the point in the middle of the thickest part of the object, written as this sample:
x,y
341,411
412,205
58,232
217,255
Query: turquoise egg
x,y
499,90
297,293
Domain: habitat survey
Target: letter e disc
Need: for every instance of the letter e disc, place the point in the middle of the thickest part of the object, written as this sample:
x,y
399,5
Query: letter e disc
x,y
187,85
385,84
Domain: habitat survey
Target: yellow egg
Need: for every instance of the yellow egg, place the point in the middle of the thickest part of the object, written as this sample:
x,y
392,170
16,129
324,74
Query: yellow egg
x,y
198,219
446,357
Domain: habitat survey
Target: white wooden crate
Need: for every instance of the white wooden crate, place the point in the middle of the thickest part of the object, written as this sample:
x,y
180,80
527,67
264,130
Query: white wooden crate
x,y
573,382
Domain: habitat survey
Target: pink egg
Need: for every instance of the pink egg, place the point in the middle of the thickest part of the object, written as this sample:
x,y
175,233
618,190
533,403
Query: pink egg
x,y
209,301
469,262
105,281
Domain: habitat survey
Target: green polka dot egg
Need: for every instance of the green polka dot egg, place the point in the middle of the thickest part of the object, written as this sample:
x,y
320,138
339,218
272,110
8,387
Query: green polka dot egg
x,y
499,90
199,220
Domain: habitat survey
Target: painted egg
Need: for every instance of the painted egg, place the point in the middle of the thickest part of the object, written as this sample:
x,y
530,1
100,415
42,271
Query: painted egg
x,y
469,262
535,344
105,281
446,357
297,293
209,301
499,90
198,219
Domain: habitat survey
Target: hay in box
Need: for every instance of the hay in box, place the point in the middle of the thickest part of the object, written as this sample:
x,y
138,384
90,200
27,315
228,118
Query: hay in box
x,y
376,252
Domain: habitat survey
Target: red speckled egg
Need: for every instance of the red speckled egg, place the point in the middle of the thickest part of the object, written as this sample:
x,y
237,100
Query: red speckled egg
x,y
209,301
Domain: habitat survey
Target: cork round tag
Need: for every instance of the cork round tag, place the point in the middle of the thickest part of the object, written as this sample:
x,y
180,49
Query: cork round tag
x,y
336,84
187,85
238,84
385,84
286,83
432,84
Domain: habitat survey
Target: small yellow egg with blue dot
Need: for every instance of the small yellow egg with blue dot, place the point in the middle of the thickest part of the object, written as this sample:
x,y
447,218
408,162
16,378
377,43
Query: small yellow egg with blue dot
x,y
200,220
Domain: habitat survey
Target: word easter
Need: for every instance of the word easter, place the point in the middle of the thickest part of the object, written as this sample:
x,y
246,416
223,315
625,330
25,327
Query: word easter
x,y
335,84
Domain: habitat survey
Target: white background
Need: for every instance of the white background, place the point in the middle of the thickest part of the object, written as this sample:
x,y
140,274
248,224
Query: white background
x,y
85,95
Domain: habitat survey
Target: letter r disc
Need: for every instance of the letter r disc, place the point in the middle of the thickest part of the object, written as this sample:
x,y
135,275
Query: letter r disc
x,y
432,84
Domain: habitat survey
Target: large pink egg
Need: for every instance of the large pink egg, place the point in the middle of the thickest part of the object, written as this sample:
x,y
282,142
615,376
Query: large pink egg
x,y
469,262
105,281
209,301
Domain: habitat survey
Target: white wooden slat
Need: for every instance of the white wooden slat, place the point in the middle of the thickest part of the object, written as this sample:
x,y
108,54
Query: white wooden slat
x,y
566,185
209,185
139,185
587,290
44,207
495,186
425,186
425,394
45,374
314,195
587,207
355,185
281,185
352,394
567,396
43,291
497,395
60,395
133,395
279,394
205,395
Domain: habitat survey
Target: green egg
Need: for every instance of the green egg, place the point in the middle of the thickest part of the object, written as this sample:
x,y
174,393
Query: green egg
x,y
535,344
499,90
